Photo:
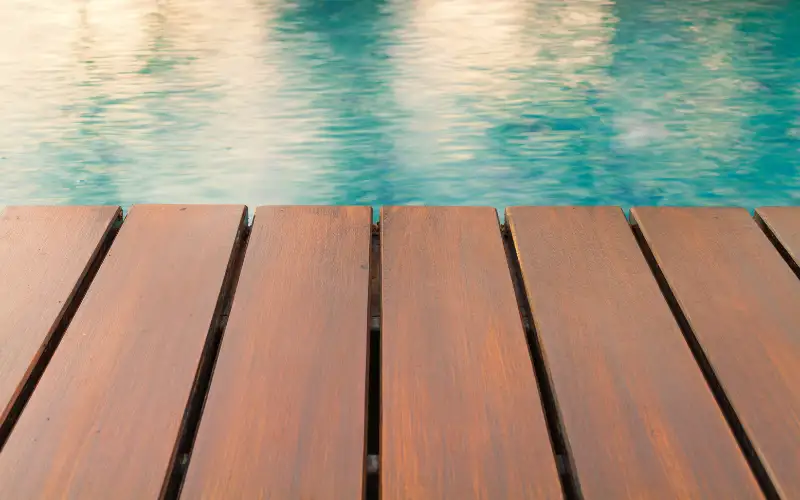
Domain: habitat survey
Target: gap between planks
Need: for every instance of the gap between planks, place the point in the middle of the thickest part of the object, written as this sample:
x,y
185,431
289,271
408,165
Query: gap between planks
x,y
776,242
373,404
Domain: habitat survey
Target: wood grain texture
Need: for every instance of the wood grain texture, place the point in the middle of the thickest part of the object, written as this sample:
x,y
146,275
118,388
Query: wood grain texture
x,y
462,417
639,418
783,225
104,419
285,415
741,301
45,254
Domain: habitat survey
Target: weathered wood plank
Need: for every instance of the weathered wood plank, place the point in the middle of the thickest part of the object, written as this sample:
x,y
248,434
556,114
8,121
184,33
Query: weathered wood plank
x,y
45,256
105,417
285,415
639,418
461,411
741,301
782,224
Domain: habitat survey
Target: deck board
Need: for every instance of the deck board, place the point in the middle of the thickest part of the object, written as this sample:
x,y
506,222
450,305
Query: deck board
x,y
638,416
285,416
741,301
461,411
104,419
45,255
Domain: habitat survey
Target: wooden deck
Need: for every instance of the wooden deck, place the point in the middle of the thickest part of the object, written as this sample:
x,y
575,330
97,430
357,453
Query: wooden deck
x,y
569,353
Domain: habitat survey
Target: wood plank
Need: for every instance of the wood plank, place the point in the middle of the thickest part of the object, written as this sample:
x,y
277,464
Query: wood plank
x,y
104,419
639,419
285,415
45,256
741,301
782,224
461,411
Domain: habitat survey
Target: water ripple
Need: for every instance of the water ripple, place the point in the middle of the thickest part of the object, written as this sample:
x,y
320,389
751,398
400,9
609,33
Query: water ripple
x,y
400,102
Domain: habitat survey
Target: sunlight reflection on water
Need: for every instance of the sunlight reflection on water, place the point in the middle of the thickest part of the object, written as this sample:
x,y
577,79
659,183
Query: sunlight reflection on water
x,y
395,102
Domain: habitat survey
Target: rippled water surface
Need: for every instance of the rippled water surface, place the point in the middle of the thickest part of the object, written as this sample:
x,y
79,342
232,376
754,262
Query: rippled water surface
x,y
400,101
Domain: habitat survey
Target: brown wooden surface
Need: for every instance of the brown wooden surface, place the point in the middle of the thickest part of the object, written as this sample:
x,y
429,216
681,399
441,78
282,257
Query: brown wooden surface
x,y
104,419
45,253
285,415
783,224
639,418
461,412
743,304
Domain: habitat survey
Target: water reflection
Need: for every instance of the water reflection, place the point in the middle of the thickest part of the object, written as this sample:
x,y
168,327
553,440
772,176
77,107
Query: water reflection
x,y
400,101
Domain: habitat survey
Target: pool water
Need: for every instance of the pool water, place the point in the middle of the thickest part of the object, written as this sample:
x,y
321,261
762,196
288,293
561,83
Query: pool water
x,y
379,102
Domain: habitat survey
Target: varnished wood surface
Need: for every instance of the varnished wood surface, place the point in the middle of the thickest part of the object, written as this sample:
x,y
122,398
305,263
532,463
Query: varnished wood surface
x,y
783,224
742,301
45,253
639,418
462,417
104,419
285,416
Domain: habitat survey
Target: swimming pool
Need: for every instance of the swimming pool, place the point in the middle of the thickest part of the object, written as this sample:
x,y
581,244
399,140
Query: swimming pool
x,y
400,102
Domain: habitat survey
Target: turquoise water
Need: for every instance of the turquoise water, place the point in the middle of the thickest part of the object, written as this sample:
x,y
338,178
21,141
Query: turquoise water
x,y
400,101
